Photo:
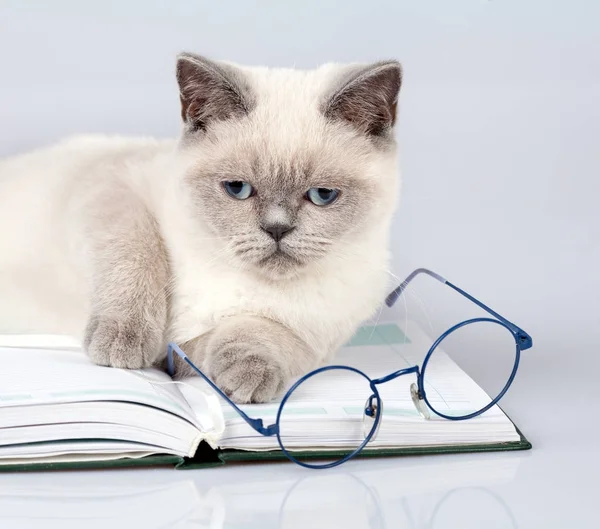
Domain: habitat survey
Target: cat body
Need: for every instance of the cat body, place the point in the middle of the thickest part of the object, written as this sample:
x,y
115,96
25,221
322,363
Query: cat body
x,y
258,240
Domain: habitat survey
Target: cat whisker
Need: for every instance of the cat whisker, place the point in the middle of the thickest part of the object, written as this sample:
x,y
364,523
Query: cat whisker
x,y
320,247
215,238
248,248
218,254
412,292
251,255
376,322
161,296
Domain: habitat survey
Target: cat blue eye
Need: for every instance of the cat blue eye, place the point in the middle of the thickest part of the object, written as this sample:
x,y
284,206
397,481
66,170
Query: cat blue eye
x,y
322,196
238,189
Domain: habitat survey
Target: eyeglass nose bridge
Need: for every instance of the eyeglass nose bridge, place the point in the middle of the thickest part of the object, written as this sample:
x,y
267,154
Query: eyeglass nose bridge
x,y
371,410
395,374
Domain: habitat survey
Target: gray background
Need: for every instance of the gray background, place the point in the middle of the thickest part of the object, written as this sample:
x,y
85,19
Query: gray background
x,y
499,121
498,127
499,133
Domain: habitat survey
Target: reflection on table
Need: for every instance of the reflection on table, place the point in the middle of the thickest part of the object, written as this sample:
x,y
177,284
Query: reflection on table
x,y
411,493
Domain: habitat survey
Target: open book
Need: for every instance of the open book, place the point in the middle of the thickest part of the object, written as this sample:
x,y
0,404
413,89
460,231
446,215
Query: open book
x,y
57,410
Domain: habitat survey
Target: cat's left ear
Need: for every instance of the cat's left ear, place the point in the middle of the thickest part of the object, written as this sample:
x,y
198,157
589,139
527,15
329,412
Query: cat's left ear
x,y
367,97
210,91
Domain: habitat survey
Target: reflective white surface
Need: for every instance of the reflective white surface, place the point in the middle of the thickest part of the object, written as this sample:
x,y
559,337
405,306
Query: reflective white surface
x,y
555,485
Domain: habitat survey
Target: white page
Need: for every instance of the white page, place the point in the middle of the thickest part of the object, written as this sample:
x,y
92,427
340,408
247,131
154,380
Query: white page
x,y
57,448
34,376
206,405
40,341
55,395
84,431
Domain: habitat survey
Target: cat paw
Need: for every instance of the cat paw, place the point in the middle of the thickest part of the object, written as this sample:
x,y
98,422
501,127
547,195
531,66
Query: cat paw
x,y
125,344
245,375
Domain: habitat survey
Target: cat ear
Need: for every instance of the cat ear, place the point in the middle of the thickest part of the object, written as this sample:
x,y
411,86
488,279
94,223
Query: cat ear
x,y
209,91
367,98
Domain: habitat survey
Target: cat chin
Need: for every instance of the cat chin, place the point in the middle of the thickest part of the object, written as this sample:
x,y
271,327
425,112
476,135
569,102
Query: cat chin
x,y
280,266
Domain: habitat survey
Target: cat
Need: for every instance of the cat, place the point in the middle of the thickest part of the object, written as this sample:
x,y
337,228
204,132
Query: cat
x,y
258,240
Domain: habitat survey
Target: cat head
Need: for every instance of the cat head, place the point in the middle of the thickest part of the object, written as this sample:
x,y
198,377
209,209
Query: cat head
x,y
287,167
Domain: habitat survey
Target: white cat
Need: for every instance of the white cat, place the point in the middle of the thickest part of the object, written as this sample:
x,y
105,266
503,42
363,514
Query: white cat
x,y
258,241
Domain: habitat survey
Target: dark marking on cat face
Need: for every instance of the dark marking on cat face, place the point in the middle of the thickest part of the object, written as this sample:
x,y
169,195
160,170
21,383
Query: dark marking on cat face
x,y
210,92
367,99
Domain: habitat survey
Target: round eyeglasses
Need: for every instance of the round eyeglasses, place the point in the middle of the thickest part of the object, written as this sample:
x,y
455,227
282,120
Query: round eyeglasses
x,y
349,434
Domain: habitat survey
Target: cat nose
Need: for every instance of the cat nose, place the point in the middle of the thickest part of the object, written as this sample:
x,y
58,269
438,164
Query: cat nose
x,y
278,231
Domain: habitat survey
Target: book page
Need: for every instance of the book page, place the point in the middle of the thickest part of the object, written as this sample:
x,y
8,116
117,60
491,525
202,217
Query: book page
x,y
34,376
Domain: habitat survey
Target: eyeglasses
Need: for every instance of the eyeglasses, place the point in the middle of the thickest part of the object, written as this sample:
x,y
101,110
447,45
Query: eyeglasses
x,y
371,414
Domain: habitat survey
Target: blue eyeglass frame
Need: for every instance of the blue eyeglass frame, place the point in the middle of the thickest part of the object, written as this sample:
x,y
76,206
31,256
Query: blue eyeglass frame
x,y
523,341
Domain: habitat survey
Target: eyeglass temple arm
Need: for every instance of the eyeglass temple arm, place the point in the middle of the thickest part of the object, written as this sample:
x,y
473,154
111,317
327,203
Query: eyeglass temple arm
x,y
256,424
525,341
397,292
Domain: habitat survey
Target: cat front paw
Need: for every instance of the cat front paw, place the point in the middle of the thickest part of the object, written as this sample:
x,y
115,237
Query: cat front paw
x,y
125,344
246,375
